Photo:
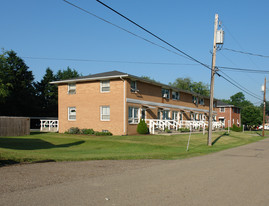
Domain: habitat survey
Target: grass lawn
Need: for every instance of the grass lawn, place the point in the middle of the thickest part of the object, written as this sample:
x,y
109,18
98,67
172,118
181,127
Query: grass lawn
x,y
66,147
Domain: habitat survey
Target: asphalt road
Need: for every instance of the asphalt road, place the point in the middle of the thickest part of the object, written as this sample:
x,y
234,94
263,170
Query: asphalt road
x,y
238,176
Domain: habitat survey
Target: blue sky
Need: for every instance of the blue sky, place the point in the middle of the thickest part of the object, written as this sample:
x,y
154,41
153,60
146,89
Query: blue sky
x,y
54,29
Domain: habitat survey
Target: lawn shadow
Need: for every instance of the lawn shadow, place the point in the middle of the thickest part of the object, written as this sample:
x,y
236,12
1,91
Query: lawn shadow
x,y
31,144
217,139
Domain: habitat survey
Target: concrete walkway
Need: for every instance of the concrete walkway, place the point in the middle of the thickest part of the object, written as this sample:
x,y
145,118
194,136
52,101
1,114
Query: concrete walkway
x,y
238,176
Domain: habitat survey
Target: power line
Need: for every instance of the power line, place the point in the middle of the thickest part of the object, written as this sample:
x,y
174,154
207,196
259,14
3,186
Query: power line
x,y
152,34
248,53
236,84
245,70
121,28
186,55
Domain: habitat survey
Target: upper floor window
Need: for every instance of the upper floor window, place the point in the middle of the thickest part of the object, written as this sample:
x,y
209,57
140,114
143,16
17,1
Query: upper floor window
x,y
72,113
72,88
105,113
134,86
194,99
201,101
222,109
166,93
175,95
105,86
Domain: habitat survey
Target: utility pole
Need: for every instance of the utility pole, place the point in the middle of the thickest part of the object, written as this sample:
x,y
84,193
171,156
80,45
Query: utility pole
x,y
264,103
209,139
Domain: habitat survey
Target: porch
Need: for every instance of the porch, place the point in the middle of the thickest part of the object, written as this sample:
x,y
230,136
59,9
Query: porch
x,y
192,125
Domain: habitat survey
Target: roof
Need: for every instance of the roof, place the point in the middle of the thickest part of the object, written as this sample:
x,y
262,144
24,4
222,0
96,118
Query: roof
x,y
224,104
117,74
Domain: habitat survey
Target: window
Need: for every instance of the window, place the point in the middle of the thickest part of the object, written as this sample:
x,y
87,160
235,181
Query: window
x,y
143,113
201,101
133,86
72,88
105,86
200,117
181,116
105,113
222,109
72,113
159,114
166,114
194,99
192,116
175,95
175,115
166,93
133,115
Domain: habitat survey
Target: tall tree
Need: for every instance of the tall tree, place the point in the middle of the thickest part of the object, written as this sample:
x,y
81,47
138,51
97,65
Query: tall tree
x,y
67,74
47,94
189,85
251,115
18,95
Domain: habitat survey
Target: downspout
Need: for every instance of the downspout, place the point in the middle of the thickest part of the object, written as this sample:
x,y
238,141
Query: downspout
x,y
230,116
124,106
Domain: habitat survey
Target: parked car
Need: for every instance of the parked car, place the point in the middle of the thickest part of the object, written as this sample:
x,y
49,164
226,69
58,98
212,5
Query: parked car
x,y
266,127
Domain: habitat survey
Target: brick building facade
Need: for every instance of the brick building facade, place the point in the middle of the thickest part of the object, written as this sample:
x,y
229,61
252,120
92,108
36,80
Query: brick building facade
x,y
116,101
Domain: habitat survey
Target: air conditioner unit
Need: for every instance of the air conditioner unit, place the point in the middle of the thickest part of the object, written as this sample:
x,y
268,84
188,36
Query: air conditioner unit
x,y
165,95
134,90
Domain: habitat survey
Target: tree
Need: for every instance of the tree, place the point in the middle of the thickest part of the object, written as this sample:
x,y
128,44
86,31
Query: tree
x,y
67,74
148,78
189,85
16,86
47,94
251,115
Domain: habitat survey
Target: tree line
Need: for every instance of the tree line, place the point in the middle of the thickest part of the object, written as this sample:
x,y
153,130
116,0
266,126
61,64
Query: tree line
x,y
20,95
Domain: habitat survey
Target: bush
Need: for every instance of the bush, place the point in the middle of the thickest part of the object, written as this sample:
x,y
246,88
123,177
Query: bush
x,y
237,129
167,130
103,133
74,130
184,130
87,131
142,127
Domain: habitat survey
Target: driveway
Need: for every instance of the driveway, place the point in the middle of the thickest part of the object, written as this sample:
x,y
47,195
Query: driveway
x,y
236,176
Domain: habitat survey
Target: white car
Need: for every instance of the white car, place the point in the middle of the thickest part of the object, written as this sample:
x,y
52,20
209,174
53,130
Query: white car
x,y
266,127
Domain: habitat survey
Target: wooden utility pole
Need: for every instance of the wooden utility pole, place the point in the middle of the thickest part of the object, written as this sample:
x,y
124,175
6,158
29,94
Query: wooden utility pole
x,y
264,103
209,139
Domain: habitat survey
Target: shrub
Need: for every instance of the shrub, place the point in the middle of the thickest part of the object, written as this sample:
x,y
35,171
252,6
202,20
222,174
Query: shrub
x,y
237,129
87,131
103,133
167,130
74,130
142,127
184,130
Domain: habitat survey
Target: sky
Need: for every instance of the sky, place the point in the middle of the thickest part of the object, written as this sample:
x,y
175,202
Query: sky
x,y
52,33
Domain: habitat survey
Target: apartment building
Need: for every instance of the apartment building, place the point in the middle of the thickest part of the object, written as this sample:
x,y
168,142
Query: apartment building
x,y
116,101
228,114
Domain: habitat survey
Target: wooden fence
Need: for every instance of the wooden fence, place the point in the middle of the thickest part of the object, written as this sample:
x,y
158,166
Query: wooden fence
x,y
14,126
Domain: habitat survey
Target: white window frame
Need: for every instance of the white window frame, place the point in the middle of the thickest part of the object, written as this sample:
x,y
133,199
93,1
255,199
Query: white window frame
x,y
175,115
72,88
132,118
133,89
72,113
220,109
104,84
103,114
164,112
167,92
175,95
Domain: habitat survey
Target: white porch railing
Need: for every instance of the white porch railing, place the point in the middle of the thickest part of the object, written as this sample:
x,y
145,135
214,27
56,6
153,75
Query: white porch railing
x,y
172,124
49,125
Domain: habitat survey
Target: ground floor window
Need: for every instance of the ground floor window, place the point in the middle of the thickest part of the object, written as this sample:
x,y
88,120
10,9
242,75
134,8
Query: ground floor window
x,y
133,115
175,115
72,113
143,113
165,114
105,113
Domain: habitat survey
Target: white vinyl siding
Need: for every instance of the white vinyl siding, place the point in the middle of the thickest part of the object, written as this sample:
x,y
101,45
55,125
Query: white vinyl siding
x,y
105,113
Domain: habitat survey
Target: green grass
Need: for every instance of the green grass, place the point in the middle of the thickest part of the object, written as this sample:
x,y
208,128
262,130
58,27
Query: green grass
x,y
66,147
